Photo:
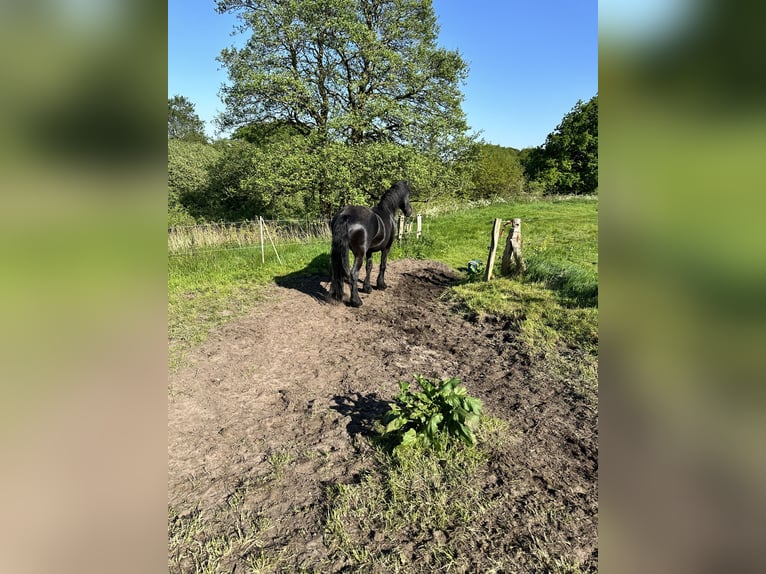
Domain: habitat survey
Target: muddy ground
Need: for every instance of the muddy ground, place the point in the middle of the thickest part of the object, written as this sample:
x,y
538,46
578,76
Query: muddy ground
x,y
282,401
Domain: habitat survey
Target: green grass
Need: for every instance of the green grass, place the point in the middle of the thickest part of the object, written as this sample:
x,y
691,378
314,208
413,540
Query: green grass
x,y
205,544
561,339
426,498
554,305
560,242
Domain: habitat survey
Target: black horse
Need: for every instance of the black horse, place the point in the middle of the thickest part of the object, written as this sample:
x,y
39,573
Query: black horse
x,y
364,231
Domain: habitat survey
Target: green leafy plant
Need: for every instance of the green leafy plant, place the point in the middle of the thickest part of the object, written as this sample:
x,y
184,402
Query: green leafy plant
x,y
424,417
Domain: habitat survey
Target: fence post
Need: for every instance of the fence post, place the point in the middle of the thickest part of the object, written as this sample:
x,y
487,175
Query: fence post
x,y
419,226
493,248
272,243
513,250
263,254
401,227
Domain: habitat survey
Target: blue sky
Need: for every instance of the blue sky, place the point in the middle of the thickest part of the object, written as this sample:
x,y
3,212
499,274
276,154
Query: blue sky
x,y
530,61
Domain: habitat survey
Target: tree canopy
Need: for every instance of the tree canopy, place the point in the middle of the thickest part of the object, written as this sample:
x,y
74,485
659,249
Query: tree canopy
x,y
350,71
183,122
568,161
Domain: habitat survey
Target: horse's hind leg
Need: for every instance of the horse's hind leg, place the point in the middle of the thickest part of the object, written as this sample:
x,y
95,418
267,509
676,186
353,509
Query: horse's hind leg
x,y
355,301
346,270
367,288
381,283
337,276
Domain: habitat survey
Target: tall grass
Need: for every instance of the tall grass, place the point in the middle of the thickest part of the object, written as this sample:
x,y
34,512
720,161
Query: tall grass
x,y
189,238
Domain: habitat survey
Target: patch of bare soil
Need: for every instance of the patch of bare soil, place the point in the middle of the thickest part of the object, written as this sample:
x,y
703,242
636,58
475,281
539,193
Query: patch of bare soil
x,y
275,407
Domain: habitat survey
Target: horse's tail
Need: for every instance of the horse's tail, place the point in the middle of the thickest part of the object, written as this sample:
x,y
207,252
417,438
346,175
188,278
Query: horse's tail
x,y
339,257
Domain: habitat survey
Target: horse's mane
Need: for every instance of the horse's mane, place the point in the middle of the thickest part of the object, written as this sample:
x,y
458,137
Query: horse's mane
x,y
393,197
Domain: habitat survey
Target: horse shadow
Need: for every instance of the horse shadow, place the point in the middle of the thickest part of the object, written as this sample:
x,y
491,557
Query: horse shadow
x,y
364,411
309,279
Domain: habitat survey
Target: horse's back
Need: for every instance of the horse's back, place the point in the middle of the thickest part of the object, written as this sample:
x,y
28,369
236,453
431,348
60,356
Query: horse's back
x,y
357,217
364,228
356,213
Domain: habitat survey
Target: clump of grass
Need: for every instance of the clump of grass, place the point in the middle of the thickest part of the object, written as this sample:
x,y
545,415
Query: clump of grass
x,y
414,247
201,544
278,461
427,499
573,282
542,319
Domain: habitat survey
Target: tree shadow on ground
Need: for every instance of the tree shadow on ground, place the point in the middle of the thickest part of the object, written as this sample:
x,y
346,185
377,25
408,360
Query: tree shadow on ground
x,y
309,279
363,410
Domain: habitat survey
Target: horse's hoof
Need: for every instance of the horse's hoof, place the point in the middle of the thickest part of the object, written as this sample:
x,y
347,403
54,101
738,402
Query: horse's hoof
x,y
367,289
382,286
357,303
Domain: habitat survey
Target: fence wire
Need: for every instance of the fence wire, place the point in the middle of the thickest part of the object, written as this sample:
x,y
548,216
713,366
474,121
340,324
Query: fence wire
x,y
244,235
193,239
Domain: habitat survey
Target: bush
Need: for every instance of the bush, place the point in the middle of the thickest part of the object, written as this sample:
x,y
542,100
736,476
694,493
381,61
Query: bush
x,y
440,408
498,172
188,176
296,176
177,215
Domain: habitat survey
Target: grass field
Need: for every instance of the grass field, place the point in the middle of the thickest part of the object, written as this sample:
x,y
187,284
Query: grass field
x,y
560,241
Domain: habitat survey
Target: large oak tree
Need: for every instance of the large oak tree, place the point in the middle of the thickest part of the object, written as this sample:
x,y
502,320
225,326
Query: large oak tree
x,y
350,71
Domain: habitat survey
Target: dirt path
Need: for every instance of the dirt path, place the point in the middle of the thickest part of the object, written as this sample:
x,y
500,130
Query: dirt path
x,y
280,401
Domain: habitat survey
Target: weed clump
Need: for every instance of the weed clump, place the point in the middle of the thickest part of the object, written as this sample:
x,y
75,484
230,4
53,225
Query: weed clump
x,y
439,411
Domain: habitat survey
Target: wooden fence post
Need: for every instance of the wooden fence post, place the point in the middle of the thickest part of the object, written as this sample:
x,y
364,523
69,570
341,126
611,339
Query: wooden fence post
x,y
513,250
493,249
401,227
420,226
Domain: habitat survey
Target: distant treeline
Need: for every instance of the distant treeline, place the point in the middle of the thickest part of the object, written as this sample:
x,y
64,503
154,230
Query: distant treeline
x,y
277,172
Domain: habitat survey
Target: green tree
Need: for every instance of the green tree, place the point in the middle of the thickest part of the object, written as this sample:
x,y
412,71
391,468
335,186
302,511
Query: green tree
x,y
189,182
183,122
568,161
294,177
498,172
266,133
348,70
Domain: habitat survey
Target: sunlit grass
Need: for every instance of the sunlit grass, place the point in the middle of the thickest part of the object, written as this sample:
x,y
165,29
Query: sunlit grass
x,y
560,241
